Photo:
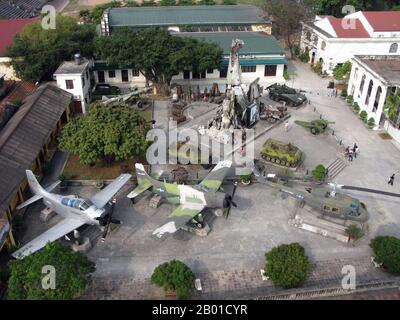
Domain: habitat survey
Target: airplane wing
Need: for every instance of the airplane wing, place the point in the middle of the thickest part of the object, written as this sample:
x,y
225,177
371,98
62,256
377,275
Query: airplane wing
x,y
214,179
178,219
143,186
62,228
101,198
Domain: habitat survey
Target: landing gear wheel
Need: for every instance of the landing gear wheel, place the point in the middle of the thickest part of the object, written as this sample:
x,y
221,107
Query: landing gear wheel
x,y
313,131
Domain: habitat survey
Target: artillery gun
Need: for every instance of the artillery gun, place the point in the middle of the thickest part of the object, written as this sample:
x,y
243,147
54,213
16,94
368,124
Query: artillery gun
x,y
315,126
284,154
131,99
290,96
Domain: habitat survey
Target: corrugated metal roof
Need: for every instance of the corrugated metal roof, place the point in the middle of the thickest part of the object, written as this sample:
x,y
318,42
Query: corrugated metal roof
x,y
25,134
186,15
254,42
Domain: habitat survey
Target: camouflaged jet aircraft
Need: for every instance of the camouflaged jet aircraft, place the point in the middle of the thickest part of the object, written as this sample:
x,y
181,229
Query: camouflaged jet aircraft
x,y
191,200
76,211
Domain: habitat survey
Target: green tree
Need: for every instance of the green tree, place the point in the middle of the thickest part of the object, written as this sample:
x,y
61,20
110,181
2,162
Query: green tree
x,y
354,232
206,2
187,2
174,276
37,52
287,265
158,55
392,105
105,133
168,2
287,15
71,274
319,172
97,13
229,2
342,71
387,251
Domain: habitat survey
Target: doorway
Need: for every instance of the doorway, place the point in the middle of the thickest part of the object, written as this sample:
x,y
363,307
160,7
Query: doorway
x,y
100,75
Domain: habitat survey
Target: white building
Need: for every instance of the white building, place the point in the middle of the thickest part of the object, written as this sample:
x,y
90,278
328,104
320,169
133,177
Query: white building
x,y
372,79
334,41
74,77
261,57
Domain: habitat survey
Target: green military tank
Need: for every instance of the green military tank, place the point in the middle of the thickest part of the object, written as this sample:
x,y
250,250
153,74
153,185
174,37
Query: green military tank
x,y
315,126
284,154
175,152
286,94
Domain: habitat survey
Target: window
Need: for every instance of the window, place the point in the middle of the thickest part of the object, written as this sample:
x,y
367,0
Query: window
x,y
135,73
210,70
87,75
124,75
248,69
195,75
83,82
186,74
377,99
223,72
362,85
111,73
69,84
370,86
270,71
323,45
393,48
203,74
308,35
355,74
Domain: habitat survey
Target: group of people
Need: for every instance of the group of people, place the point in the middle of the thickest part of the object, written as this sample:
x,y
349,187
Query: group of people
x,y
352,152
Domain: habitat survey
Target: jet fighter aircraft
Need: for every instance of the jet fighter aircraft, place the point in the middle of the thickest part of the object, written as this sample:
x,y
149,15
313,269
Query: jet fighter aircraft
x,y
191,200
76,211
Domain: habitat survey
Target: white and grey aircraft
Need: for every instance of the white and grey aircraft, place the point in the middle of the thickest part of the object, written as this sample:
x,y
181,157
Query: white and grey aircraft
x,y
76,211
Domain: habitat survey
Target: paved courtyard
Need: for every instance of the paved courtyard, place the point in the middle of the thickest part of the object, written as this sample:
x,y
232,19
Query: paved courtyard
x,y
228,260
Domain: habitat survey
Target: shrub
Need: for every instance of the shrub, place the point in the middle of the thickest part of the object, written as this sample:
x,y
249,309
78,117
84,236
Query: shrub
x,y
356,107
317,68
304,57
174,276
350,99
287,265
286,75
342,71
364,116
344,93
387,251
245,178
371,122
354,232
229,2
319,172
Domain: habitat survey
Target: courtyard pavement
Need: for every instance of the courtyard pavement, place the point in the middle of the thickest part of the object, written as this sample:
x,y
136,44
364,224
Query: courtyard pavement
x,y
229,259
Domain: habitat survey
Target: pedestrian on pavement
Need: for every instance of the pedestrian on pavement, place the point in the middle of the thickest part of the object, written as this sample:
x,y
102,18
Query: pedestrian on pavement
x,y
391,180
347,151
287,126
351,155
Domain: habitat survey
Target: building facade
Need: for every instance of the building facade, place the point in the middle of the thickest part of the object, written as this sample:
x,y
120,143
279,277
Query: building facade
x,y
74,77
334,41
372,79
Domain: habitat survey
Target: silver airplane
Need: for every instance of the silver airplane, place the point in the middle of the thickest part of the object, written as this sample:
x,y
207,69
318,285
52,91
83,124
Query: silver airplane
x,y
76,211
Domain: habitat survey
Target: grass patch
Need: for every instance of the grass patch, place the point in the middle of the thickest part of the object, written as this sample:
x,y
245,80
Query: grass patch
x,y
74,170
385,136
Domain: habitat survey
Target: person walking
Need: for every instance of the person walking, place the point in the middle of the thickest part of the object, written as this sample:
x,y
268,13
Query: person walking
x,y
355,150
391,180
351,155
287,126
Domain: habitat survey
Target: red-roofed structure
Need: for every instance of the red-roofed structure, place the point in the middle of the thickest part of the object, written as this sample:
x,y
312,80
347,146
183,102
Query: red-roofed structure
x,y
383,21
8,30
357,32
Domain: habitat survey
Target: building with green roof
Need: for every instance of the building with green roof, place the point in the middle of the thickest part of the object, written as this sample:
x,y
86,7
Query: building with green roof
x,y
187,18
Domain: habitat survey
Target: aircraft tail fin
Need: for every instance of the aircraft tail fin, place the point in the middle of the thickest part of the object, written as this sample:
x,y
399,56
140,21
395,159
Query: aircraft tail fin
x,y
143,179
36,189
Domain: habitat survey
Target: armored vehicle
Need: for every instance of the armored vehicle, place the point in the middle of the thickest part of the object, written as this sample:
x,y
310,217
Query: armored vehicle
x,y
284,93
315,126
275,151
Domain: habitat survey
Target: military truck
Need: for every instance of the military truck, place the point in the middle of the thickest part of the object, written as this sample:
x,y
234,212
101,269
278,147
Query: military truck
x,y
287,155
290,96
315,126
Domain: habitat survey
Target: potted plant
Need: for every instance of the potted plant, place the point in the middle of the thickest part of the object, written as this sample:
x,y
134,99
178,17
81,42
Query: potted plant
x,y
364,116
64,183
343,94
350,99
356,107
245,179
371,123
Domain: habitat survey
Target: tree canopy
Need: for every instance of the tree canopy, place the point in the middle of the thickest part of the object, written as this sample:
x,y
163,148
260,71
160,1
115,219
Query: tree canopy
x,y
105,133
157,54
342,71
71,274
287,265
334,7
387,251
174,276
37,52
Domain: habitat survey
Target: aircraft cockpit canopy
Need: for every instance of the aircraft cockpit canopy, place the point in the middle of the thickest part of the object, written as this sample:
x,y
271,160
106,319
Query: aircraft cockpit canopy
x,y
76,203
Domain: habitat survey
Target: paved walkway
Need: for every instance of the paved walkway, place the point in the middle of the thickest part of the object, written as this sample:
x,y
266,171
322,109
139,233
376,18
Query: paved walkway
x,y
247,284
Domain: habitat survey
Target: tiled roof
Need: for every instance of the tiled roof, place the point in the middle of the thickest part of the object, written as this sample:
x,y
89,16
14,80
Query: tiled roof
x,y
186,15
383,20
25,134
343,32
8,30
388,67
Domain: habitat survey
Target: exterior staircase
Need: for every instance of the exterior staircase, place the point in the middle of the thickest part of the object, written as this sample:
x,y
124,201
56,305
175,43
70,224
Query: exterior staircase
x,y
336,167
